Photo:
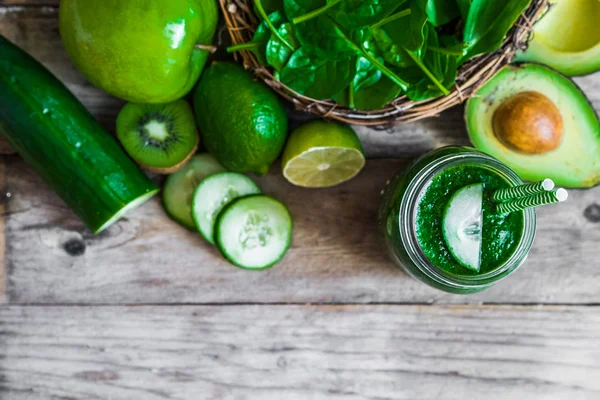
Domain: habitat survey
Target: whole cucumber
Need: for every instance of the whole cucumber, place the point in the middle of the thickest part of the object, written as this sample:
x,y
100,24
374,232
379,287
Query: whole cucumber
x,y
55,134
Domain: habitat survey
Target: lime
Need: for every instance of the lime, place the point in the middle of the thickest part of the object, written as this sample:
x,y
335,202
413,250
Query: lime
x,y
322,154
242,122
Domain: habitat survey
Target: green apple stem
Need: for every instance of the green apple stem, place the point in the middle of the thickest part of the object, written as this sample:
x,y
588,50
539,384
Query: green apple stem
x,y
207,47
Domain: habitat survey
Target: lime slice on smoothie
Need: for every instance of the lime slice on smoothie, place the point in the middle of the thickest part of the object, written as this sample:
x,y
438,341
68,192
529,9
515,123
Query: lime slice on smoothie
x,y
322,154
462,226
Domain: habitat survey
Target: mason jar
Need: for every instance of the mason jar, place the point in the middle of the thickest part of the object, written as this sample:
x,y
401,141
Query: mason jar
x,y
398,212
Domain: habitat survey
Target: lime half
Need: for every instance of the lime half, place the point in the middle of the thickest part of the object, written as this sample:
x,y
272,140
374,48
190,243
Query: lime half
x,y
322,154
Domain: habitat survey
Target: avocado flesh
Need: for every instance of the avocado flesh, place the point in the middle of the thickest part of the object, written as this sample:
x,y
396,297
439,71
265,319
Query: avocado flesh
x,y
576,161
567,38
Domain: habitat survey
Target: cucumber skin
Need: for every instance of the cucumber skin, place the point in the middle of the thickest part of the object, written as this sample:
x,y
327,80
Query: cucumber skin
x,y
218,234
66,146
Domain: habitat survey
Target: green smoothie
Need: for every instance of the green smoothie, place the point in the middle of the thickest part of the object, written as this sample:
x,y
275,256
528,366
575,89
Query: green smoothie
x,y
501,234
439,224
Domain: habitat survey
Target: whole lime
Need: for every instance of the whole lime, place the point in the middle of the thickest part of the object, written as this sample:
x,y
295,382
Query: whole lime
x,y
242,122
143,51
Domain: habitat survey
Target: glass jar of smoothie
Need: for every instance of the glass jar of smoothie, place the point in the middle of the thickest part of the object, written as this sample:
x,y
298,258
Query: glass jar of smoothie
x,y
414,205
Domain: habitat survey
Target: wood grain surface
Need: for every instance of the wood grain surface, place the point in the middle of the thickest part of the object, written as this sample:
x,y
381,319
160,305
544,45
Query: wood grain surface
x,y
335,256
300,353
147,310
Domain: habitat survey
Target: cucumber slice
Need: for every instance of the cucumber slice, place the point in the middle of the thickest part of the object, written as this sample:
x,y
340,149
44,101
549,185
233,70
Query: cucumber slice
x,y
462,226
179,187
254,232
213,194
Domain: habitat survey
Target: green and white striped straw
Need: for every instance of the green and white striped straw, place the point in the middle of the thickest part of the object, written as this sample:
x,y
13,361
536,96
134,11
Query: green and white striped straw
x,y
538,199
522,190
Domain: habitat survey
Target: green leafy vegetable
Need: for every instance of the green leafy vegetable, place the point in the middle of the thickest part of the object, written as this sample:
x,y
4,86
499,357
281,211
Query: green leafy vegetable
x,y
463,6
314,77
371,97
488,23
273,28
261,38
366,74
350,14
440,12
270,6
322,37
297,8
316,12
441,71
364,53
356,14
277,53
393,53
390,18
325,39
409,32
397,37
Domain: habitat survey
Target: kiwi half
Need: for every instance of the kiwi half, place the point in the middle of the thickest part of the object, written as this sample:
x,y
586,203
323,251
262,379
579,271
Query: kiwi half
x,y
159,137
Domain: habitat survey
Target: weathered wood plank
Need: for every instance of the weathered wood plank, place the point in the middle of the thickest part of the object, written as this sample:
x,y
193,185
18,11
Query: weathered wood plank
x,y
2,235
335,256
50,3
336,235
299,353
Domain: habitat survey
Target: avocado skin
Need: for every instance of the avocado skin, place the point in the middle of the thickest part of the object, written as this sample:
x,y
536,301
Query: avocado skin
x,y
576,162
141,51
576,62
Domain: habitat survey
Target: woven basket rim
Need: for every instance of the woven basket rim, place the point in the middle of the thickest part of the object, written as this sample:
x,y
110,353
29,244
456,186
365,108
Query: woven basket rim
x,y
241,23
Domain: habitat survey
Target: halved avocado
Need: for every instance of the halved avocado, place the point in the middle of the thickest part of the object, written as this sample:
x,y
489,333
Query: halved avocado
x,y
539,123
567,38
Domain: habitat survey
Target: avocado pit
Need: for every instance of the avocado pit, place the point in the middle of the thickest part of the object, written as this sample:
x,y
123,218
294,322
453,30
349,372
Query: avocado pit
x,y
528,122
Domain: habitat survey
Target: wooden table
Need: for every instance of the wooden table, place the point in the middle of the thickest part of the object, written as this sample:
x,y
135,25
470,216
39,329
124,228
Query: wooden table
x,y
149,311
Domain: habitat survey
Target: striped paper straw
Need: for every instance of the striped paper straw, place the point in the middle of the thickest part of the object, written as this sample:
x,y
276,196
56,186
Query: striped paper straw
x,y
538,199
522,190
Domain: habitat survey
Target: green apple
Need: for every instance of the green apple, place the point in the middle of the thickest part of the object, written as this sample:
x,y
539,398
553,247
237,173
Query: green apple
x,y
143,51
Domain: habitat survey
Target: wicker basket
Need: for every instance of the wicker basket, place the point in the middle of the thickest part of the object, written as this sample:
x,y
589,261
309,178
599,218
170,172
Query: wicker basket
x,y
241,23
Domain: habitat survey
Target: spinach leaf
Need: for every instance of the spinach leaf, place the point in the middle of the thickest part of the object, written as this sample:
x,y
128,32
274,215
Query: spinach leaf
x,y
371,97
440,12
369,90
488,23
409,32
366,74
258,44
355,14
273,28
351,14
390,18
270,6
412,67
449,45
315,77
463,6
393,53
277,53
297,8
325,39
396,37
441,66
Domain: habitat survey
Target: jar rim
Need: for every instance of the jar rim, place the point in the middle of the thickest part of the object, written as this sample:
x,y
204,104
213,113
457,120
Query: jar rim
x,y
407,226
